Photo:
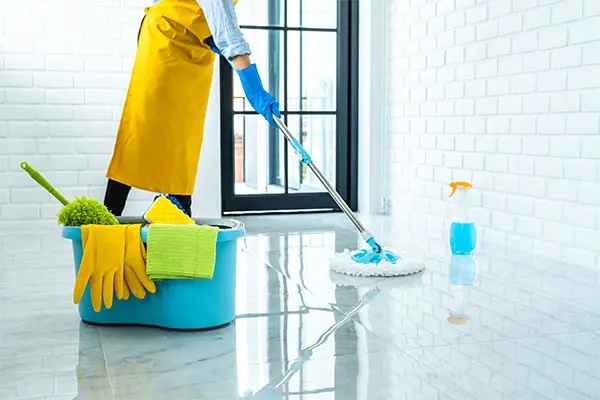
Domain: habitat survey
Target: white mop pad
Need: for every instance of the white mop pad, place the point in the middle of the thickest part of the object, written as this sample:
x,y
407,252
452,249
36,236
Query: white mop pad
x,y
344,264
369,282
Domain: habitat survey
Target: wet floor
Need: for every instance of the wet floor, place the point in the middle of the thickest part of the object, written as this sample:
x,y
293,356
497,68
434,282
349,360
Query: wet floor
x,y
501,325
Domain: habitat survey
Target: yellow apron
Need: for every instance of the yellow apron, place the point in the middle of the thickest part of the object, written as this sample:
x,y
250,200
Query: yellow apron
x,y
162,126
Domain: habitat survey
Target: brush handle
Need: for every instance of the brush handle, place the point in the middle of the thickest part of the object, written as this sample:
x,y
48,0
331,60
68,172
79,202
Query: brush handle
x,y
36,176
307,160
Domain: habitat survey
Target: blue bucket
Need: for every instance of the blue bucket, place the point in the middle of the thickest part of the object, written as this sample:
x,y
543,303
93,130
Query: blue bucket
x,y
177,303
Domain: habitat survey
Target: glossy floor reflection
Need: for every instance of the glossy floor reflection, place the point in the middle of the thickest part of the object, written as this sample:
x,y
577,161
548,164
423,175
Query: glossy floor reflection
x,y
500,325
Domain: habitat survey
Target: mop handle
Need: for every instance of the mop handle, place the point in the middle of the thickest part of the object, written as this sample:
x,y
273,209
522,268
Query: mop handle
x,y
307,160
36,176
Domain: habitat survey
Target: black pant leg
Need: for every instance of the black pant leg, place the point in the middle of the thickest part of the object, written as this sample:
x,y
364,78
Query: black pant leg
x,y
116,197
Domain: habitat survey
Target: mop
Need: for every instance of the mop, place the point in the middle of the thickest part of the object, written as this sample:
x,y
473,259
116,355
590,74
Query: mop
x,y
81,211
375,260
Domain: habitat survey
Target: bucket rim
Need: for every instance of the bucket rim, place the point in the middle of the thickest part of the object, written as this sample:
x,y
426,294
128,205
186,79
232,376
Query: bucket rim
x,y
219,223
229,229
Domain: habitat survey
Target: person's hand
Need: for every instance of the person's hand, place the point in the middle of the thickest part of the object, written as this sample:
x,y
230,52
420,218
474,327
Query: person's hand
x,y
211,42
261,100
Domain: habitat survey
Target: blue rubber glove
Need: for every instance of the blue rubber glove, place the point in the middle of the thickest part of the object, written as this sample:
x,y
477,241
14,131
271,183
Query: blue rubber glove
x,y
211,42
261,100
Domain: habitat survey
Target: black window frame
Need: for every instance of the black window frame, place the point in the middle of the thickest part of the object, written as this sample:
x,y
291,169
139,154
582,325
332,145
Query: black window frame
x,y
346,127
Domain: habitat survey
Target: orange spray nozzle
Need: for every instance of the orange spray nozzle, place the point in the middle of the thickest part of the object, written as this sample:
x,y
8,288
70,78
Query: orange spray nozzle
x,y
455,185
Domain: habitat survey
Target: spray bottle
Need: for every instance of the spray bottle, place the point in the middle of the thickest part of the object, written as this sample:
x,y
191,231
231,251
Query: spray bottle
x,y
463,235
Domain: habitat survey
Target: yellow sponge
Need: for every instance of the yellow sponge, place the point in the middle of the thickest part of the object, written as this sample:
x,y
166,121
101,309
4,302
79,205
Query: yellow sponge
x,y
163,211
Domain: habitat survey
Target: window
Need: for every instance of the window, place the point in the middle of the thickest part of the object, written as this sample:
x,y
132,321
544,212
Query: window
x,y
306,53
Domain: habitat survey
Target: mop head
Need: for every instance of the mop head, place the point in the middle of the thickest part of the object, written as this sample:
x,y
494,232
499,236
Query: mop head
x,y
85,211
368,263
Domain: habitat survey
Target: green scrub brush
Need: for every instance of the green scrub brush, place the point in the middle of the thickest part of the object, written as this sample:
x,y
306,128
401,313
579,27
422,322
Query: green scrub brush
x,y
81,211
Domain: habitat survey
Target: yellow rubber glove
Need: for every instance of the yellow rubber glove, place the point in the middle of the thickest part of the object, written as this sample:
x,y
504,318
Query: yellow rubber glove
x,y
102,264
136,277
126,291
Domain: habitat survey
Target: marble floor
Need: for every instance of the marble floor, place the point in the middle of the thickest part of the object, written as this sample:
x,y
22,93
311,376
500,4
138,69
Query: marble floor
x,y
501,325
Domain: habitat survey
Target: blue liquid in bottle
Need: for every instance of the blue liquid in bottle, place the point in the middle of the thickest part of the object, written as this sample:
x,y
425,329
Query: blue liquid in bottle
x,y
463,238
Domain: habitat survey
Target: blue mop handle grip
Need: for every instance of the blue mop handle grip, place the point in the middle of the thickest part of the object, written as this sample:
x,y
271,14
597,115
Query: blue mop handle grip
x,y
304,156
302,153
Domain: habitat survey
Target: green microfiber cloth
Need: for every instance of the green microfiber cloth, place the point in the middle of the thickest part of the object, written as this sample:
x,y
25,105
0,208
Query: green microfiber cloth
x,y
181,251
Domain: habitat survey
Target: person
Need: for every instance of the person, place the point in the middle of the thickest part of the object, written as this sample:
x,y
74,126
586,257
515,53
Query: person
x,y
161,129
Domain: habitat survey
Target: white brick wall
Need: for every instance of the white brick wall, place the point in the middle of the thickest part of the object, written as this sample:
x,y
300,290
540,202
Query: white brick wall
x,y
505,94
64,70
